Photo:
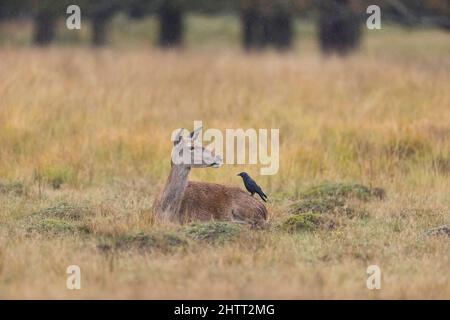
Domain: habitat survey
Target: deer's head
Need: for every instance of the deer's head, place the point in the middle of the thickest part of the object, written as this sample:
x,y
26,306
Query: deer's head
x,y
187,151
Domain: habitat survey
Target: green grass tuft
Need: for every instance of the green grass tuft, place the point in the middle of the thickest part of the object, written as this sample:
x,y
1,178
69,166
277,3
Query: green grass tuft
x,y
56,176
61,219
65,211
53,227
407,147
213,232
302,222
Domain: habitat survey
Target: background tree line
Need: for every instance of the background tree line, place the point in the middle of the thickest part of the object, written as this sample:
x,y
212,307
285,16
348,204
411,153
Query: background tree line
x,y
264,23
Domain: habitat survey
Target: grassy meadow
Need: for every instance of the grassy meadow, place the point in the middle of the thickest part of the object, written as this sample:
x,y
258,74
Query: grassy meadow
x,y
85,147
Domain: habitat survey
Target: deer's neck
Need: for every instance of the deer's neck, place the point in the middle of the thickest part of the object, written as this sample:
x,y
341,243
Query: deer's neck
x,y
174,190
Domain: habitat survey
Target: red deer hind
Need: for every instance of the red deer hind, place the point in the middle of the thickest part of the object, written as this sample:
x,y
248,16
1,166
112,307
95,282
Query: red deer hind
x,y
184,201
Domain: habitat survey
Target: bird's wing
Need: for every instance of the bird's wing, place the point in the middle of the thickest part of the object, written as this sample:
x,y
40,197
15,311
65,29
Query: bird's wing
x,y
252,183
255,186
258,189
248,185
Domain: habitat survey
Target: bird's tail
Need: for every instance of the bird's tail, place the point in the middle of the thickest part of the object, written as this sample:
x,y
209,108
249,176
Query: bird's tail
x,y
263,196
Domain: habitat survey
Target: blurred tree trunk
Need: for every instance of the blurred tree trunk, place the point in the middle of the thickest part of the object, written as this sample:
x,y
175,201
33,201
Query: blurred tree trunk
x,y
44,27
254,29
101,13
339,27
99,34
281,30
171,26
262,29
247,29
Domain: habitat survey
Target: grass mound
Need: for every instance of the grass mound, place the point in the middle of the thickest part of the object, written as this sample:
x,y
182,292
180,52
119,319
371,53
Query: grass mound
x,y
333,198
301,222
61,219
320,206
14,188
213,232
65,211
145,241
54,227
339,190
324,204
439,231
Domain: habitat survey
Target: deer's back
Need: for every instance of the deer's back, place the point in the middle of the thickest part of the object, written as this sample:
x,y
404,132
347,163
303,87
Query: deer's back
x,y
210,201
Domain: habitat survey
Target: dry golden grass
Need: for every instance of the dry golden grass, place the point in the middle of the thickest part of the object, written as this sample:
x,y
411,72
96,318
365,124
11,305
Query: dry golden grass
x,y
88,132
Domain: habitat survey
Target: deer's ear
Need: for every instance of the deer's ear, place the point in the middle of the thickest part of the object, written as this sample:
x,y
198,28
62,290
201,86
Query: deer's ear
x,y
195,133
178,137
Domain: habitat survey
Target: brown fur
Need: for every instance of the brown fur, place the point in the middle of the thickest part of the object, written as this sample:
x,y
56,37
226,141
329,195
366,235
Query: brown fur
x,y
207,201
211,201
